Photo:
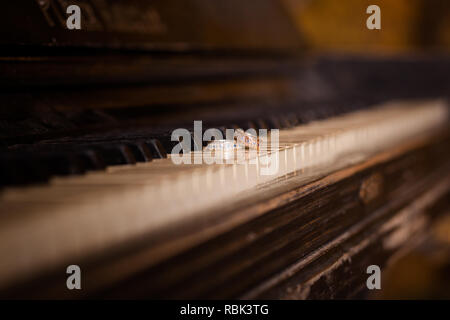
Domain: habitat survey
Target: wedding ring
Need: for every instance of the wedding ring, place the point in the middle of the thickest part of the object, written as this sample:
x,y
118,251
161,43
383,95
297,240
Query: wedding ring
x,y
223,149
222,145
246,139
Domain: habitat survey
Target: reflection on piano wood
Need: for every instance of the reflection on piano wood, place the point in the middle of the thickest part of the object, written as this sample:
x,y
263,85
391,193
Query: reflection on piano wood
x,y
160,229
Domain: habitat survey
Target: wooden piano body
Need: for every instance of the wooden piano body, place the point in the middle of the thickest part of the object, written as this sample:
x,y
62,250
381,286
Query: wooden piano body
x,y
87,177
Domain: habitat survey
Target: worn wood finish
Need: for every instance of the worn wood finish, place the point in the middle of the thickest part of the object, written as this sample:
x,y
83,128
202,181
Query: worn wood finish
x,y
313,226
140,69
259,248
105,211
338,269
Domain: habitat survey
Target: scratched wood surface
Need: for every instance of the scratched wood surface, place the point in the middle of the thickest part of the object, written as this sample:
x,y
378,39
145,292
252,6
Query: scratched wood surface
x,y
311,242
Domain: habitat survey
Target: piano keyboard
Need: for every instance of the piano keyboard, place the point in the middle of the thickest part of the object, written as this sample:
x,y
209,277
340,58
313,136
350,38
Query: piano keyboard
x,y
74,218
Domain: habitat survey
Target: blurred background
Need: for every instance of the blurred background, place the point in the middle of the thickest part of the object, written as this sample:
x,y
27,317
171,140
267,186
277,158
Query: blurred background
x,y
408,28
140,68
406,25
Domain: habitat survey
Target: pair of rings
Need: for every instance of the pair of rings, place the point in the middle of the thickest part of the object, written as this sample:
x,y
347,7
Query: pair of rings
x,y
243,140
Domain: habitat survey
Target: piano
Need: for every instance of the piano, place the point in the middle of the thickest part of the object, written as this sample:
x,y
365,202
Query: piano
x,y
358,145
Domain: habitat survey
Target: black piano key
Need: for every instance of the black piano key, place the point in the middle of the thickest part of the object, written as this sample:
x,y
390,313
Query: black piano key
x,y
285,122
23,169
261,124
293,119
156,148
274,122
116,155
91,160
141,151
251,125
63,164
